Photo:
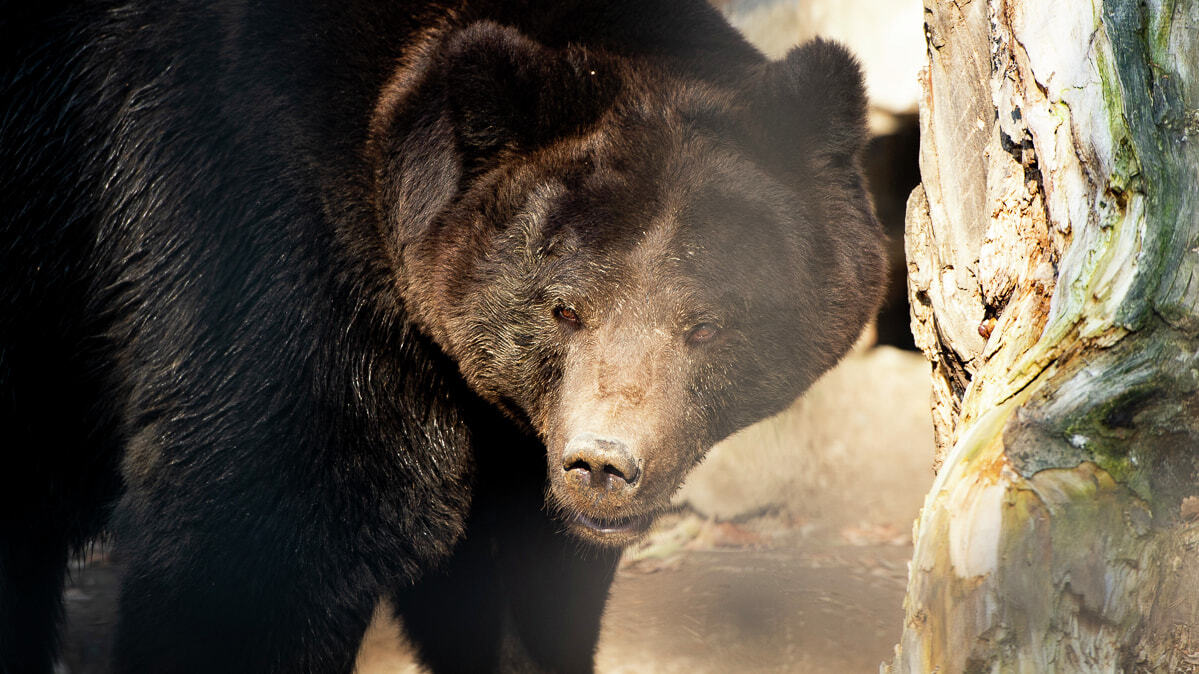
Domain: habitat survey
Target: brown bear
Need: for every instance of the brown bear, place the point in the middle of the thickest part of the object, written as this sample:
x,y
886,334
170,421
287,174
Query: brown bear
x,y
314,304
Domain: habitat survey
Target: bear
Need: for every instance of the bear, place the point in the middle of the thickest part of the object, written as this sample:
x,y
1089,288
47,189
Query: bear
x,y
311,305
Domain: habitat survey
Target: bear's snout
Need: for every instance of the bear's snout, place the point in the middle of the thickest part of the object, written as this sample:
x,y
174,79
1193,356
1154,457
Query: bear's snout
x,y
597,466
599,490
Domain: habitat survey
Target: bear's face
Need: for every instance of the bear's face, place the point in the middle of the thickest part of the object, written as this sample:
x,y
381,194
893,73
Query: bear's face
x,y
631,264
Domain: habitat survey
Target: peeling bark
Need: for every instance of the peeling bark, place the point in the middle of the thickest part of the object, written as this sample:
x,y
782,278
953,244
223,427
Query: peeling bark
x,y
1053,255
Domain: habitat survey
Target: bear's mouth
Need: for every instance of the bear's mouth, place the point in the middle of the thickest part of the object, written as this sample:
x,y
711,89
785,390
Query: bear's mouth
x,y
611,531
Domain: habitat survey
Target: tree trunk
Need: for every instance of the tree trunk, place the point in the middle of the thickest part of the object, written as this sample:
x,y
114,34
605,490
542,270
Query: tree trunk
x,y
1053,254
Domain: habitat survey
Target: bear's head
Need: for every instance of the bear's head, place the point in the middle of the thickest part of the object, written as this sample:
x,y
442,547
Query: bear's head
x,y
630,262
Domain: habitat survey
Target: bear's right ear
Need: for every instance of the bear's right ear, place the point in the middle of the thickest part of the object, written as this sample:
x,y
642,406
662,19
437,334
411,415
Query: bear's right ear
x,y
464,101
506,93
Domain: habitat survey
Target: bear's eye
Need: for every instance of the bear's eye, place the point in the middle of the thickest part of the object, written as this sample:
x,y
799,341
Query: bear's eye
x,y
704,332
568,316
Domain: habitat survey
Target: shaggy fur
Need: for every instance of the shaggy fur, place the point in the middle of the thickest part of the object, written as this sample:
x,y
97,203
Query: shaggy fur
x,y
281,307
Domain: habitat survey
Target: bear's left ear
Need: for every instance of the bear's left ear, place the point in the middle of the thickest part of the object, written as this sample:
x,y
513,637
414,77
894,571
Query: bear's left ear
x,y
506,93
816,96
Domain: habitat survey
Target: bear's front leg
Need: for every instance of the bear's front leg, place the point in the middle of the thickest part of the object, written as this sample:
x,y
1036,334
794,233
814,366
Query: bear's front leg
x,y
259,585
518,594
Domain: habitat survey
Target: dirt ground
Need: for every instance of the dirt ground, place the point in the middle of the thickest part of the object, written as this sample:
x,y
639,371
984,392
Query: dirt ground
x,y
760,597
767,595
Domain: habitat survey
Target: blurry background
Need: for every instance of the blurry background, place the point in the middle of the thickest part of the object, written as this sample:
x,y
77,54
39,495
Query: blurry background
x,y
788,550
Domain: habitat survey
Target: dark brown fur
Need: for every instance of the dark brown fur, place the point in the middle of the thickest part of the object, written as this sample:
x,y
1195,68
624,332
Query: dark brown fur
x,y
282,293
653,202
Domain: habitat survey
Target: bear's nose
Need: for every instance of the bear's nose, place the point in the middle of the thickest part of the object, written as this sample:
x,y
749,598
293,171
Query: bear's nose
x,y
599,463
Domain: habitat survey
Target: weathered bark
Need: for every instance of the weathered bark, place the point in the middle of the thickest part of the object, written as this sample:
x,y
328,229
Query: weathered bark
x,y
1054,277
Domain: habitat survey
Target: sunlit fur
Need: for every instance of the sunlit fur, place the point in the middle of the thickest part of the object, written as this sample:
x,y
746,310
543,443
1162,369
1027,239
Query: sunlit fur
x,y
680,202
277,283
